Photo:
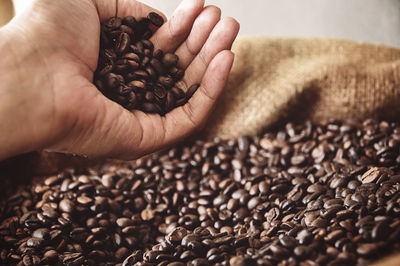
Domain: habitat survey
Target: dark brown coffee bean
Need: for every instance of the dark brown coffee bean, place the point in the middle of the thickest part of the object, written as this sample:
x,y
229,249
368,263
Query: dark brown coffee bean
x,y
135,257
128,30
129,21
113,23
50,256
302,251
367,249
151,108
157,65
122,43
216,200
380,231
155,19
170,101
29,260
170,60
42,233
160,92
272,214
167,82
73,259
288,241
371,175
177,235
35,242
191,90
176,73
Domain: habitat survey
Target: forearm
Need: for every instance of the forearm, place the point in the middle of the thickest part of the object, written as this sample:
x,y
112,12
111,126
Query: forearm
x,y
19,80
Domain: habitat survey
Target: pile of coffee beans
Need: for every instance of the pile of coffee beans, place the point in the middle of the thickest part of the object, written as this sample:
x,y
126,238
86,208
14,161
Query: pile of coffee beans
x,y
326,194
132,73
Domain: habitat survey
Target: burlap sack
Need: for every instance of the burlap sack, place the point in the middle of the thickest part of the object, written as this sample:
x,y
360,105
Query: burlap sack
x,y
6,11
295,79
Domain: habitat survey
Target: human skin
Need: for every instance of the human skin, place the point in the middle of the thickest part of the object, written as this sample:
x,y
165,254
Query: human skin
x,y
48,56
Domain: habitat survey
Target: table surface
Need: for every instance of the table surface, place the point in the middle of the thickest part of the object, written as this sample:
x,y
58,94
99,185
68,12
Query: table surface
x,y
374,21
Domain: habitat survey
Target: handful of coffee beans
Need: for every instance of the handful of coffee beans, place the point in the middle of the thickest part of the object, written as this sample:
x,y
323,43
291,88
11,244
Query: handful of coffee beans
x,y
133,74
325,194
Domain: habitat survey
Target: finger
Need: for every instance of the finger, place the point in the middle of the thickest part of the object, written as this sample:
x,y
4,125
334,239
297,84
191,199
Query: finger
x,y
182,121
170,35
221,38
107,9
201,29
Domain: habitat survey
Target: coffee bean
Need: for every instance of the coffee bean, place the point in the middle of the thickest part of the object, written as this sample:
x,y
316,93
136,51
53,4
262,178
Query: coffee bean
x,y
128,65
304,237
155,19
177,235
272,214
122,43
160,92
42,233
288,241
113,23
367,249
170,60
73,259
380,231
216,202
35,242
84,200
371,175
302,251
29,260
151,108
49,212
66,205
50,256
133,258
241,261
191,90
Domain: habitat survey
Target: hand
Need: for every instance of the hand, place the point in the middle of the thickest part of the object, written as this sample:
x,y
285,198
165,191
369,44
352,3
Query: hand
x,y
48,99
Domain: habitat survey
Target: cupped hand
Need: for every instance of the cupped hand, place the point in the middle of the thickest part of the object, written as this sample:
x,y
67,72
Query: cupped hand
x,y
65,112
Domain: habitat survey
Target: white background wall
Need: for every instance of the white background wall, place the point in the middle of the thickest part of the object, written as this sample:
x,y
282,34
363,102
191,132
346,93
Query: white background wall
x,y
376,21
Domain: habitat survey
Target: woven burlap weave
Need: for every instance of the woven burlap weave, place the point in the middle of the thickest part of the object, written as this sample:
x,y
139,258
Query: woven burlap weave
x,y
295,79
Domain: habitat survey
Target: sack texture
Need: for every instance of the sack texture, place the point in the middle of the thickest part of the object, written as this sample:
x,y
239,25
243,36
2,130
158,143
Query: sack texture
x,y
6,11
275,79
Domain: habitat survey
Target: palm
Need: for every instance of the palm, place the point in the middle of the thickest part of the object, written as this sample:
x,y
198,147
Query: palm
x,y
82,111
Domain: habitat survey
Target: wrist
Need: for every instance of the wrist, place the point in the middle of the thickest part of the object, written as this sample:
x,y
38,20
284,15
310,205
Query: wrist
x,y
20,98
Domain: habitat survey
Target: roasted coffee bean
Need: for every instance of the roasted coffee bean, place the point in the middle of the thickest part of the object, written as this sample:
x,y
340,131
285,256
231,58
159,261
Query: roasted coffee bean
x,y
151,108
155,19
177,235
122,43
66,205
73,259
191,90
42,233
127,63
50,256
160,92
245,202
170,60
29,260
35,242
